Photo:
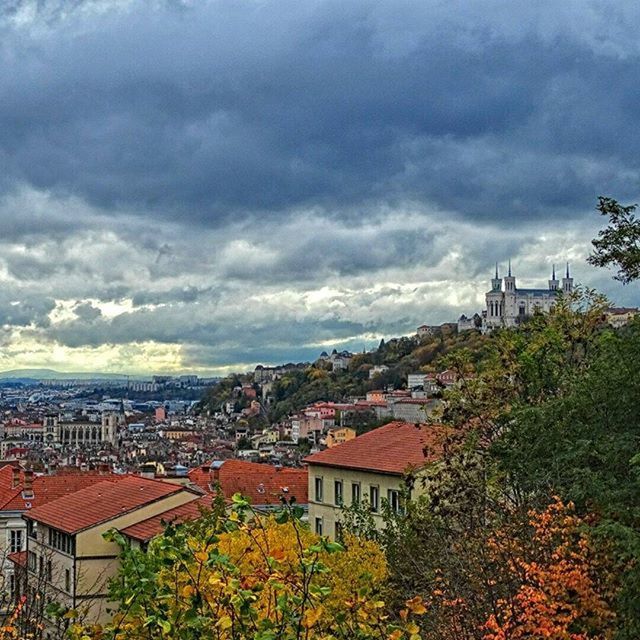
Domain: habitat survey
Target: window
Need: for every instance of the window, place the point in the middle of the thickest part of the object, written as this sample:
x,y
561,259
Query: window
x,y
338,531
337,492
31,561
355,492
49,571
318,487
15,540
393,495
319,526
62,541
67,580
374,498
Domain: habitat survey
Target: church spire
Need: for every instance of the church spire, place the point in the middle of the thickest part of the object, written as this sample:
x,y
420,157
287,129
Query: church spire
x,y
553,283
497,271
567,282
509,267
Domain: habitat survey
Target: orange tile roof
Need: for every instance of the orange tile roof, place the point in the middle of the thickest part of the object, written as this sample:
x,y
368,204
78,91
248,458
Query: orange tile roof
x,y
18,557
391,449
151,527
262,484
101,502
45,488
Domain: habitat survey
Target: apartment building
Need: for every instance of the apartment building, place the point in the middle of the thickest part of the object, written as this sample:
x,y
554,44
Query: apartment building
x,y
21,491
68,560
375,467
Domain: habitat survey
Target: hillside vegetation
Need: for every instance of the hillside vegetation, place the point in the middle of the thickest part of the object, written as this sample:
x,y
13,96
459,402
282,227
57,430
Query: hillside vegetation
x,y
312,382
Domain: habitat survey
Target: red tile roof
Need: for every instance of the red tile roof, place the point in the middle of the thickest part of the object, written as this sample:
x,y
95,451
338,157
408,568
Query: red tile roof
x,y
19,558
391,449
102,502
262,484
151,527
45,488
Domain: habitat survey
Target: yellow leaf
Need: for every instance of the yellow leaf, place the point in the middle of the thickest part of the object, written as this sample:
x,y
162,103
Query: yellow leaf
x,y
202,556
311,616
416,606
187,591
224,622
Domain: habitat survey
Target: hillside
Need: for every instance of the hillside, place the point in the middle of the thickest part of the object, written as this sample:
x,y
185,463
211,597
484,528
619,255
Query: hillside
x,y
309,382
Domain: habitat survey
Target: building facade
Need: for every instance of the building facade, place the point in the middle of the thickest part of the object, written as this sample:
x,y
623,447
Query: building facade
x,y
509,305
377,467
81,430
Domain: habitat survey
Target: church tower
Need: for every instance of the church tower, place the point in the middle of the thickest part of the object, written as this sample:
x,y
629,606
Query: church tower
x,y
510,282
496,283
553,283
567,282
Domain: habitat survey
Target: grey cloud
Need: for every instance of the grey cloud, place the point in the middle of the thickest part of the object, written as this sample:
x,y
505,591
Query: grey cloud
x,y
86,311
228,111
20,310
187,294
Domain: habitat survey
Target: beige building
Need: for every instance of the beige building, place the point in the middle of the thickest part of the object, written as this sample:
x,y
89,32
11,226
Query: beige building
x,y
68,560
339,436
511,305
374,467
620,316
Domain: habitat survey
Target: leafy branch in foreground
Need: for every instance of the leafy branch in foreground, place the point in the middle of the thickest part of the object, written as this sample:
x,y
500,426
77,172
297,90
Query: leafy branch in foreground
x,y
239,574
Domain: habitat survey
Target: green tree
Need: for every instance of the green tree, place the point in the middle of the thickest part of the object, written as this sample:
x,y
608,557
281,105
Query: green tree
x,y
618,244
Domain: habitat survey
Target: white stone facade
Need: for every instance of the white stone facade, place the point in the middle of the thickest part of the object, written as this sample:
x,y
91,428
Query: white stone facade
x,y
508,305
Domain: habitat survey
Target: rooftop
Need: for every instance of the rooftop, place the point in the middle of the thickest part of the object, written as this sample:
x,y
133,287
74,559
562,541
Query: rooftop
x,y
155,525
262,484
44,488
392,449
101,502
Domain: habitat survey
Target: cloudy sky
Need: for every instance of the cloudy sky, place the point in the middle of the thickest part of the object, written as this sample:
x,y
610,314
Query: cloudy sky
x,y
204,185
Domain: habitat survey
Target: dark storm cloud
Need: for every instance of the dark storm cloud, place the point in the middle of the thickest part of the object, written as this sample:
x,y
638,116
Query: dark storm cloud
x,y
18,309
243,182
221,110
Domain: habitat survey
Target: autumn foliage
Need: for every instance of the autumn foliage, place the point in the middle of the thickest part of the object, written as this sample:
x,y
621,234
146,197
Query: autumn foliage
x,y
247,576
563,593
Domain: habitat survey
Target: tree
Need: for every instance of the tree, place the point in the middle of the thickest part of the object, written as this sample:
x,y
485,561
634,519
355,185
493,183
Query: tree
x,y
618,244
564,588
246,576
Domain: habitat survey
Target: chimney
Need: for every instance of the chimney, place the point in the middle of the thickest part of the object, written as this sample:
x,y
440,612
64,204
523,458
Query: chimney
x,y
15,478
28,481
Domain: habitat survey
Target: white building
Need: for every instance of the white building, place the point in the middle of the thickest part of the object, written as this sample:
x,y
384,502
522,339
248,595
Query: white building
x,y
509,306
416,380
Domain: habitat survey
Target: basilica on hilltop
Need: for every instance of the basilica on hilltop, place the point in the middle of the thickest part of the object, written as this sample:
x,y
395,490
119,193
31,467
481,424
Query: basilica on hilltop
x,y
509,305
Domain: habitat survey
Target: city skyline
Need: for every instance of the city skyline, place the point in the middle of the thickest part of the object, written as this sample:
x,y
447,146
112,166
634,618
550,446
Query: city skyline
x,y
203,186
